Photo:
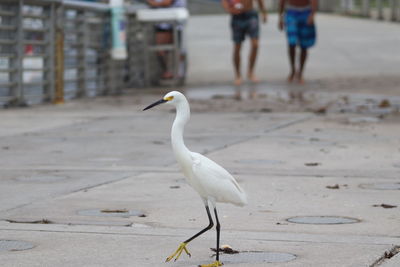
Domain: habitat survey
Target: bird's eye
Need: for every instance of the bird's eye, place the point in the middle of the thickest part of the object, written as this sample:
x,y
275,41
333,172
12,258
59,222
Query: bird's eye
x,y
169,98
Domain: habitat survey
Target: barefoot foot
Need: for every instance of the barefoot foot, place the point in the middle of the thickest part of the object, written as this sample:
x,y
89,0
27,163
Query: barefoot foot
x,y
237,81
300,79
291,77
252,78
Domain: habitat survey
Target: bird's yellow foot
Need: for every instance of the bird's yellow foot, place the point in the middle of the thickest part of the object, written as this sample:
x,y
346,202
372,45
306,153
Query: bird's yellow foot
x,y
214,264
178,252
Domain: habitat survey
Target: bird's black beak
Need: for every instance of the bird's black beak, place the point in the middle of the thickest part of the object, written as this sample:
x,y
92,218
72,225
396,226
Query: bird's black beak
x,y
161,101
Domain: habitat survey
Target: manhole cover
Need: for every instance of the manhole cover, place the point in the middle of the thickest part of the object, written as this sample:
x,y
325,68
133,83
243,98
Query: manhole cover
x,y
257,257
111,213
41,178
14,245
259,161
381,186
322,220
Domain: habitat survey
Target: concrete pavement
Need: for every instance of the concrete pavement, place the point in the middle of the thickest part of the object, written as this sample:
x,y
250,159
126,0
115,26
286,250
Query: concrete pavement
x,y
94,182
106,154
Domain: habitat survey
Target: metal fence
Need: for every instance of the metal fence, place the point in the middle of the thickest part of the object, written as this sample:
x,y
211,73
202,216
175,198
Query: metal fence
x,y
51,50
26,51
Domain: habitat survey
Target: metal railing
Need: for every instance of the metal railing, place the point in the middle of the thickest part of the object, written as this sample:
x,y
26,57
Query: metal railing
x,y
26,51
51,50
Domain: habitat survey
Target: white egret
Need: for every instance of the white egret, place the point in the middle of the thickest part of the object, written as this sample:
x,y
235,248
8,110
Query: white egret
x,y
210,180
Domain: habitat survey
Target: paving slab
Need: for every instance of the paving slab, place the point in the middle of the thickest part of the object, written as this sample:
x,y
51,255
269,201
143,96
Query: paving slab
x,y
100,246
74,206
94,182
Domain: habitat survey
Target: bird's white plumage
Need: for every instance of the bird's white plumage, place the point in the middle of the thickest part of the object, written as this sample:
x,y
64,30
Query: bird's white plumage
x,y
216,182
210,180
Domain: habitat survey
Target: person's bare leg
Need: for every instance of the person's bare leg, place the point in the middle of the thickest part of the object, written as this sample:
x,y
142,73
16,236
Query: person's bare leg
x,y
303,58
236,63
252,60
164,38
292,61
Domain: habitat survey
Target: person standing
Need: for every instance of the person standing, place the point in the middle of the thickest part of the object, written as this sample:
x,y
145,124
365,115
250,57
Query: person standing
x,y
245,21
297,17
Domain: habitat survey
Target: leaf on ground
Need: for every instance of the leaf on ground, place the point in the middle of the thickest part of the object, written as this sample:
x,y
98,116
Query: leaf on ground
x,y
266,110
336,186
321,110
312,164
384,103
42,221
226,249
114,211
385,206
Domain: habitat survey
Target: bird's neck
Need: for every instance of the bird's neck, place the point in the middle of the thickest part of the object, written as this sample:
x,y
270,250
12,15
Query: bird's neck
x,y
182,153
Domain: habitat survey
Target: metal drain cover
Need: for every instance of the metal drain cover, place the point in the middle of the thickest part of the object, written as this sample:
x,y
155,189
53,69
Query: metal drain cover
x,y
322,220
14,245
111,213
381,186
257,257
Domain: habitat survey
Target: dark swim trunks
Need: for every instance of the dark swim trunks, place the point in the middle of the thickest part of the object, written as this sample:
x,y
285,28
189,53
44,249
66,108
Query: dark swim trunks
x,y
299,32
244,24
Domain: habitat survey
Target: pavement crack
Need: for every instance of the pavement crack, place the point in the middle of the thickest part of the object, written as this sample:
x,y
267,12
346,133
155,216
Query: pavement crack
x,y
278,127
256,136
42,221
70,192
101,184
87,233
388,254
290,123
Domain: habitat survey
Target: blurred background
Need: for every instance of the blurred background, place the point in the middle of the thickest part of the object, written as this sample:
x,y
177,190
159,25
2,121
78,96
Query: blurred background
x,y
51,51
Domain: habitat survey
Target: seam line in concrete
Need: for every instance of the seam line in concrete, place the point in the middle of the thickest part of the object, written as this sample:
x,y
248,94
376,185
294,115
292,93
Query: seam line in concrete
x,y
174,235
278,127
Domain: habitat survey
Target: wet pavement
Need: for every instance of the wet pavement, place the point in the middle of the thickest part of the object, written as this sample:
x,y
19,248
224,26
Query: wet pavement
x,y
94,182
281,97
349,51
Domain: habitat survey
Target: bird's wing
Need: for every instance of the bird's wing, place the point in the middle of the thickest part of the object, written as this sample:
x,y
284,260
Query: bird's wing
x,y
216,181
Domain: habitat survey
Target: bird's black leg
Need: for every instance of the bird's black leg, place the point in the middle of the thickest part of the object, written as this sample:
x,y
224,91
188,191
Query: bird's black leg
x,y
218,227
211,224
182,247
